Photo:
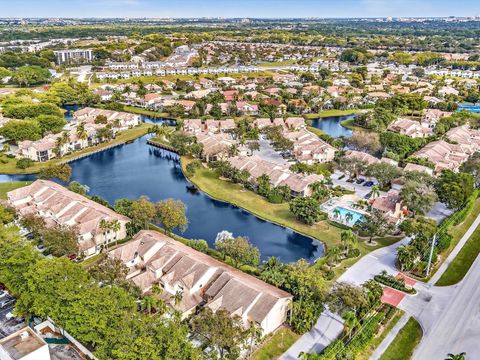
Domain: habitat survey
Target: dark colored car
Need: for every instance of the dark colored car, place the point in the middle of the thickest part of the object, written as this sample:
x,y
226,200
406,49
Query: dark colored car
x,y
368,183
359,181
350,180
7,302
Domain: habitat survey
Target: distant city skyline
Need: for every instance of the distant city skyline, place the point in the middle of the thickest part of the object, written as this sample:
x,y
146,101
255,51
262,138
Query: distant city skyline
x,y
239,9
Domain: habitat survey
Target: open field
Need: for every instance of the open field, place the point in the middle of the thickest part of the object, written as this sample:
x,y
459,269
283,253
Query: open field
x,y
10,166
405,342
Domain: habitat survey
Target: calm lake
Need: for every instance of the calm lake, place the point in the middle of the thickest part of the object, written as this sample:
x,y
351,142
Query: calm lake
x,y
331,125
136,169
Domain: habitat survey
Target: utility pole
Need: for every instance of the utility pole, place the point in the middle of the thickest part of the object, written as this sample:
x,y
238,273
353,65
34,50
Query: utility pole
x,y
431,253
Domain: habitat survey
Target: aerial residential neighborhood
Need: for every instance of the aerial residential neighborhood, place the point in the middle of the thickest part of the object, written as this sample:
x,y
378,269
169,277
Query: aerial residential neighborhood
x,y
240,180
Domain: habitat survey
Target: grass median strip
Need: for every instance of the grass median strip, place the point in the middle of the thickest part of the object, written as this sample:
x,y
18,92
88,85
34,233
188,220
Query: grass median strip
x,y
459,267
405,342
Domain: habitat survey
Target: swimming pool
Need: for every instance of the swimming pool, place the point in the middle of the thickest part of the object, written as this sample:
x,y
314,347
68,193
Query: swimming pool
x,y
356,216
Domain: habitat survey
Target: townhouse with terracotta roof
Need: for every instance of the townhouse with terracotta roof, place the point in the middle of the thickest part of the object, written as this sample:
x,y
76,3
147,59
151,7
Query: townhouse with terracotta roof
x,y
121,120
411,128
48,147
154,258
309,148
390,205
448,155
60,206
279,175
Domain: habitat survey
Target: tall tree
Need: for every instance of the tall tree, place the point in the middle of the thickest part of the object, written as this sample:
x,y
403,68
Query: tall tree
x,y
172,215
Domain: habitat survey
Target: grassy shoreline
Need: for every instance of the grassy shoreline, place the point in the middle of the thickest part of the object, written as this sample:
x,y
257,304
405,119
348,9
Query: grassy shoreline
x,y
123,137
206,180
328,113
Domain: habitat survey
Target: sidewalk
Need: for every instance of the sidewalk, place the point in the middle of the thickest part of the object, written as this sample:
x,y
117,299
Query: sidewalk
x,y
390,337
328,327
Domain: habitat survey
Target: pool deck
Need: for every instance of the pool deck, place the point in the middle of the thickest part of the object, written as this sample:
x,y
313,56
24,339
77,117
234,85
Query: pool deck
x,y
348,202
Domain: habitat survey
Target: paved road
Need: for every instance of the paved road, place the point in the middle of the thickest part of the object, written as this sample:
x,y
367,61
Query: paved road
x,y
372,264
457,327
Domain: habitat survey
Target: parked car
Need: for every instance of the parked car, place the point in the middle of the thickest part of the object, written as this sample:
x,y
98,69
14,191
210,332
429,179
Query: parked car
x,y
7,302
2,286
3,293
359,181
40,247
350,180
369,183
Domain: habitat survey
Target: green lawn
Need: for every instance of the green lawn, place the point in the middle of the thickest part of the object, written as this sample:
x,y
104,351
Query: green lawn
x,y
459,267
327,113
276,345
10,166
9,186
405,342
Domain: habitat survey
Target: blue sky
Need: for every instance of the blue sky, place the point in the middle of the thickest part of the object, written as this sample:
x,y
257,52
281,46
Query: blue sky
x,y
236,8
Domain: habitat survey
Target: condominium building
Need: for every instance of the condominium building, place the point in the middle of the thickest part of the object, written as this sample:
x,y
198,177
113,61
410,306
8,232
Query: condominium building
x,y
73,56
60,206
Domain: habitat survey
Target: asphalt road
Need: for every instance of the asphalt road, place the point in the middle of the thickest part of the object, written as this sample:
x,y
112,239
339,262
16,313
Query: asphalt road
x,y
457,327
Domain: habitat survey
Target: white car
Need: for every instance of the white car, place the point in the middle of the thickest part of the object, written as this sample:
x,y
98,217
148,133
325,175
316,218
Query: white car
x,y
3,293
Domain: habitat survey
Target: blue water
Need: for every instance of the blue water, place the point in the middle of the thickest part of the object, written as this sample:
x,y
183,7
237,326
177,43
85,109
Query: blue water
x,y
475,108
355,215
331,125
136,169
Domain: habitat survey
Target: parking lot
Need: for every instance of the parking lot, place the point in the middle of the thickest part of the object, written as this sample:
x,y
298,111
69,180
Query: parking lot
x,y
360,189
9,326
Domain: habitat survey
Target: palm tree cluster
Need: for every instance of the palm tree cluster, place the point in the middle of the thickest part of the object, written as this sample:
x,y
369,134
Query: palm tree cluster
x,y
106,226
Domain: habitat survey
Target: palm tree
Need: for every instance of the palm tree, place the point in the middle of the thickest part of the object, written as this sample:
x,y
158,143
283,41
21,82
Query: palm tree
x,y
406,257
348,217
461,356
115,226
104,226
81,132
162,132
157,289
253,146
336,213
177,297
333,255
348,239
375,191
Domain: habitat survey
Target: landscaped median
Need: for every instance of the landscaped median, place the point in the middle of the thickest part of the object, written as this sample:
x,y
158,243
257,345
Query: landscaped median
x,y
8,165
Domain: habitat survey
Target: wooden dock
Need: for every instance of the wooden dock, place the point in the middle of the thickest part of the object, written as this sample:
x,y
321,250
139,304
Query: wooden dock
x,y
161,146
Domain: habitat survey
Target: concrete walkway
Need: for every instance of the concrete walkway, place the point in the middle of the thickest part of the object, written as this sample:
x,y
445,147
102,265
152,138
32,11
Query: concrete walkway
x,y
390,337
328,327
